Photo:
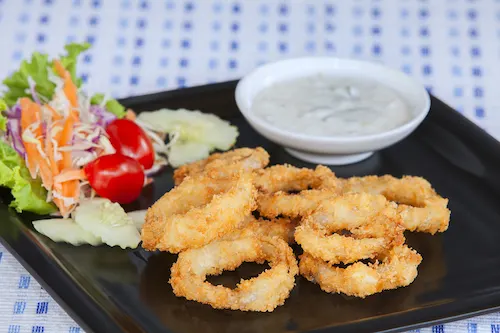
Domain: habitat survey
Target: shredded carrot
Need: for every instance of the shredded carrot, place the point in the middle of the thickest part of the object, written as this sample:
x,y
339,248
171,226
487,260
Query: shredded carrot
x,y
67,132
70,174
30,114
130,115
49,151
57,128
54,114
58,176
69,88
65,140
71,93
59,68
31,153
57,186
64,209
70,188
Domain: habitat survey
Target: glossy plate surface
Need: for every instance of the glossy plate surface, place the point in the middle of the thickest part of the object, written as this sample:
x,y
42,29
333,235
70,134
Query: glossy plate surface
x,y
110,290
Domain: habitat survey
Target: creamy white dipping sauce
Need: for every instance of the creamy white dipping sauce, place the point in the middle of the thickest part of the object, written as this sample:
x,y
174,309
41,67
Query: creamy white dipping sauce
x,y
323,105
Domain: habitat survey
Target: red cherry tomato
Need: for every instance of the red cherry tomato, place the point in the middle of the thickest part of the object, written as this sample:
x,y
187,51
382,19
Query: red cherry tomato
x,y
116,177
130,140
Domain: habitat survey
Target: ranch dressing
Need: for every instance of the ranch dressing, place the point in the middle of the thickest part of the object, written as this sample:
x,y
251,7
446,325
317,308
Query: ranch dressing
x,y
322,105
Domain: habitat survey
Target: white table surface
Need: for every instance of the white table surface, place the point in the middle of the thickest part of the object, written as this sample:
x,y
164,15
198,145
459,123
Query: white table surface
x,y
452,46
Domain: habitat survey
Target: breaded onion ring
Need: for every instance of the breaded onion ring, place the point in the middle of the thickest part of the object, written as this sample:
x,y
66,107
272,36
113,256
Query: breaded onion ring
x,y
275,182
197,212
421,208
397,269
283,228
373,222
224,165
262,293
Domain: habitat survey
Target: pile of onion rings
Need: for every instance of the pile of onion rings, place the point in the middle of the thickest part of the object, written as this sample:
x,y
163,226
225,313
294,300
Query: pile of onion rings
x,y
231,208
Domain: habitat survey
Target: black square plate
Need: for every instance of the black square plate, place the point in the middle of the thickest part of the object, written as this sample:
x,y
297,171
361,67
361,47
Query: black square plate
x,y
110,290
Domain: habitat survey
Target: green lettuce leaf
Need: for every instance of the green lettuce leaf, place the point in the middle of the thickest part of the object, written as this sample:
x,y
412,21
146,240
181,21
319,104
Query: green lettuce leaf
x,y
3,119
28,193
70,60
112,105
38,68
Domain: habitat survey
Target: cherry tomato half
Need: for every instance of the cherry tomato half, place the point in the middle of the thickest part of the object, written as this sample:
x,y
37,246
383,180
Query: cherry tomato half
x,y
116,177
130,140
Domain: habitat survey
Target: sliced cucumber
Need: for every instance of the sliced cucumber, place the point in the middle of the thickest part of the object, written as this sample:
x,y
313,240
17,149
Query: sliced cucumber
x,y
186,152
108,221
193,126
138,217
66,230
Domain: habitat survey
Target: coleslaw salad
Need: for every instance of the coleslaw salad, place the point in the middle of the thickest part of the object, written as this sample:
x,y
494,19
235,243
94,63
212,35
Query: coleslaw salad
x,y
51,131
51,125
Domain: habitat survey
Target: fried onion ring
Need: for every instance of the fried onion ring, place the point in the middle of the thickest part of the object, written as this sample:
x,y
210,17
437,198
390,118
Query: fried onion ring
x,y
283,228
275,182
372,221
262,293
197,212
397,269
421,208
224,165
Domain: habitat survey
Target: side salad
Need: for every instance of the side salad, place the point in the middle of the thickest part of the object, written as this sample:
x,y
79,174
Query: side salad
x,y
60,147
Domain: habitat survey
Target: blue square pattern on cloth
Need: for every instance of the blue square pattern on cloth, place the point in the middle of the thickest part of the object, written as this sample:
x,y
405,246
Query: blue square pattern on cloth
x,y
451,46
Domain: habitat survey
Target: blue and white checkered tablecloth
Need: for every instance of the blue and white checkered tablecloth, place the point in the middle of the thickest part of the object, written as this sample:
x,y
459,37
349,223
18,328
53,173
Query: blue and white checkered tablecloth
x,y
141,46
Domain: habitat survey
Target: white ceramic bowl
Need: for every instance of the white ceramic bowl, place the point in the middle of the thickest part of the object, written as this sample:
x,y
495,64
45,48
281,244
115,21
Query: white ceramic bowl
x,y
331,150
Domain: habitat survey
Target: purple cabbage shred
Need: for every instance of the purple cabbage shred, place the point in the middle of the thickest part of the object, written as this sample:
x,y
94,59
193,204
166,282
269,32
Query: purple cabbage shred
x,y
14,131
103,116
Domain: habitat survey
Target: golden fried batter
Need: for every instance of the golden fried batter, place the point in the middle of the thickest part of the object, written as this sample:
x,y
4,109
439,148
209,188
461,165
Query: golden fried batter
x,y
397,269
262,293
224,165
421,208
197,212
283,228
373,222
275,182
208,219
